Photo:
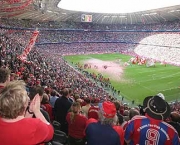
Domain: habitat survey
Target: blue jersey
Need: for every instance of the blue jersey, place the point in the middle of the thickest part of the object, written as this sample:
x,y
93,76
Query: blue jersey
x,y
143,130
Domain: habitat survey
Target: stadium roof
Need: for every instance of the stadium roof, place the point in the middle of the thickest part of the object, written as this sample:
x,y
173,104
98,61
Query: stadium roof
x,y
141,12
115,6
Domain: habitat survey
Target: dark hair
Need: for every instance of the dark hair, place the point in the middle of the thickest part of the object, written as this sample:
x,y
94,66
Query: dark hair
x,y
25,77
175,117
47,91
4,74
76,96
45,99
70,90
141,110
117,105
36,90
87,100
53,93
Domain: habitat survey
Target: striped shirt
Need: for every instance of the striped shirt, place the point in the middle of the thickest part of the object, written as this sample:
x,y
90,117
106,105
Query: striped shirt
x,y
143,130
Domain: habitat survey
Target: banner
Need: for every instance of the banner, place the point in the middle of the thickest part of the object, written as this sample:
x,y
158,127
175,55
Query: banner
x,y
13,1
20,7
86,18
30,45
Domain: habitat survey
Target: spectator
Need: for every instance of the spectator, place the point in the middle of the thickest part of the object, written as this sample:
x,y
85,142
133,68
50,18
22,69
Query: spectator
x,y
53,98
12,76
151,129
93,110
85,108
132,112
15,128
126,115
120,117
76,125
25,78
105,131
47,91
45,105
175,121
61,108
71,97
39,90
4,77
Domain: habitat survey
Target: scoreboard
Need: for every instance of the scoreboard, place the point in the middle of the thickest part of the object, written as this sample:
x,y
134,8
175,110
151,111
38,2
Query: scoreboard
x,y
86,18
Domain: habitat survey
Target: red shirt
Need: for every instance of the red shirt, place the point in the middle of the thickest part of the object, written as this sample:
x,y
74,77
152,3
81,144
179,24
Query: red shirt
x,y
77,126
28,131
93,112
48,108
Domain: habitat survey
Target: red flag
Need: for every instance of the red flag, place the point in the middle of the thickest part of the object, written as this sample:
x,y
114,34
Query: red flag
x,y
30,45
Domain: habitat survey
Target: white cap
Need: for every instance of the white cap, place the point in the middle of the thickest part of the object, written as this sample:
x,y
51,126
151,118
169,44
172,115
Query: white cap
x,y
161,95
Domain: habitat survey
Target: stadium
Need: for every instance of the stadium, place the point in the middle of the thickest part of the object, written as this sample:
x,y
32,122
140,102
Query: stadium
x,y
102,51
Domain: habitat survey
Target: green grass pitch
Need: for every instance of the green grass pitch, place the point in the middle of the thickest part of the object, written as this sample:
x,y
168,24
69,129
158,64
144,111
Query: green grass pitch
x,y
142,81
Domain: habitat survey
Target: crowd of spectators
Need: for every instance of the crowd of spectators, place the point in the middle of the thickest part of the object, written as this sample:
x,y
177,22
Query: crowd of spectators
x,y
91,48
47,58
86,44
59,87
91,36
88,26
162,47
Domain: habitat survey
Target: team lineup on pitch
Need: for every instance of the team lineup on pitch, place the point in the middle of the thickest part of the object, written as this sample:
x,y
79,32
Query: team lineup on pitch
x,y
110,68
133,80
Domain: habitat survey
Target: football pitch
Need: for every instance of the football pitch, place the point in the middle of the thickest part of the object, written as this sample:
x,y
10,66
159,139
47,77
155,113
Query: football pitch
x,y
139,81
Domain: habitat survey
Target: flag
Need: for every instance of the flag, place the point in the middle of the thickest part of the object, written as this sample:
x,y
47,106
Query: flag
x,y
30,45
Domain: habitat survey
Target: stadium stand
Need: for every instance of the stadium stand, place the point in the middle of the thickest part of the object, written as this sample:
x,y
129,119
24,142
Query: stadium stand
x,y
46,67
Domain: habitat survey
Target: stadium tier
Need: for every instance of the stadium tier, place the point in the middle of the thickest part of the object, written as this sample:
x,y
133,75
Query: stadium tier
x,y
84,82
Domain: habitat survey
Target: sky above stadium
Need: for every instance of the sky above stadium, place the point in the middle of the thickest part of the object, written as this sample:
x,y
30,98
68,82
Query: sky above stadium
x,y
115,6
